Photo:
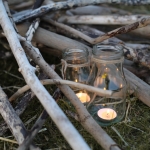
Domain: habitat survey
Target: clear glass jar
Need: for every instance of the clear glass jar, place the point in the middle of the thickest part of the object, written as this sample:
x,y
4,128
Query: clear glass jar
x,y
108,72
76,67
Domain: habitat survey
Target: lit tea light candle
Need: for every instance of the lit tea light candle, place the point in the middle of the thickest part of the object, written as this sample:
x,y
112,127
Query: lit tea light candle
x,y
107,114
84,97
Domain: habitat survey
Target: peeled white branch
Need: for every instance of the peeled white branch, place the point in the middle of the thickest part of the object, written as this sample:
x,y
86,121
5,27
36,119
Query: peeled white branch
x,y
92,89
101,19
142,89
62,122
73,3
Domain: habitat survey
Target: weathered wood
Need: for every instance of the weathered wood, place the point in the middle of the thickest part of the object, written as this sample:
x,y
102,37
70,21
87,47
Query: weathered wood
x,y
72,3
11,118
142,89
101,19
19,109
98,10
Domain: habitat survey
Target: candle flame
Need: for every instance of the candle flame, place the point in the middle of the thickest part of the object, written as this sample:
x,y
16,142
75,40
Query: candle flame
x,y
104,88
76,80
117,69
121,85
108,111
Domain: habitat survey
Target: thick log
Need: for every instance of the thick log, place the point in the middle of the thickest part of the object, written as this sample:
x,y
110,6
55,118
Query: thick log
x,y
142,89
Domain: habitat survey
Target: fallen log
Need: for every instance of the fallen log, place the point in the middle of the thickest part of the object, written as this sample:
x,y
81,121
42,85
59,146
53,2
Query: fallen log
x,y
141,89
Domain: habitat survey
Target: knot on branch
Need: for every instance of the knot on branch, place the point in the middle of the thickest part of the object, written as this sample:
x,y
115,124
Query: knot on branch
x,y
85,118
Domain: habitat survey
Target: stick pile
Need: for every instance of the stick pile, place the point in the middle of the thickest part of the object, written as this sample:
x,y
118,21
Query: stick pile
x,y
58,36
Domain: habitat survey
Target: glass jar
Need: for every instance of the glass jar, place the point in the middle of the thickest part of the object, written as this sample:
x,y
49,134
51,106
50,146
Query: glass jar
x,y
107,69
76,67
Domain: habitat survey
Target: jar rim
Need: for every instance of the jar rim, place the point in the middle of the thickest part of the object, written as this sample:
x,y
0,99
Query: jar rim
x,y
76,54
107,52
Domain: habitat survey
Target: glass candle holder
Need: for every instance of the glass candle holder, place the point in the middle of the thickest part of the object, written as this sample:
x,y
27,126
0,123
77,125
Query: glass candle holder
x,y
108,72
76,67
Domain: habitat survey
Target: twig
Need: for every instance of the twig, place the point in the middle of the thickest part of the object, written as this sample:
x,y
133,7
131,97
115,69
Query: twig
x,y
72,3
13,75
8,87
99,91
142,23
69,29
8,140
120,136
47,101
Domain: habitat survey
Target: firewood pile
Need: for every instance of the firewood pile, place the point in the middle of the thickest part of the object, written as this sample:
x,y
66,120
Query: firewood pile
x,y
29,29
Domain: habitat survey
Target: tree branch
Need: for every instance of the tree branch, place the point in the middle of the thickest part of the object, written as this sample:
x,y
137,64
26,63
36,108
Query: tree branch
x,y
92,89
73,3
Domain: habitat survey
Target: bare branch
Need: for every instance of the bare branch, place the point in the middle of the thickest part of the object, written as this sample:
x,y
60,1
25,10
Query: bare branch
x,y
11,118
72,3
101,19
99,91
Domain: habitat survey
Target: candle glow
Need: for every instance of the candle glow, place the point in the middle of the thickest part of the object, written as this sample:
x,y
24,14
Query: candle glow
x,y
84,97
107,114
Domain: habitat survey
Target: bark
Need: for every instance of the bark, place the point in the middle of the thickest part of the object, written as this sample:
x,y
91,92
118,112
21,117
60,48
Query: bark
x,y
66,128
